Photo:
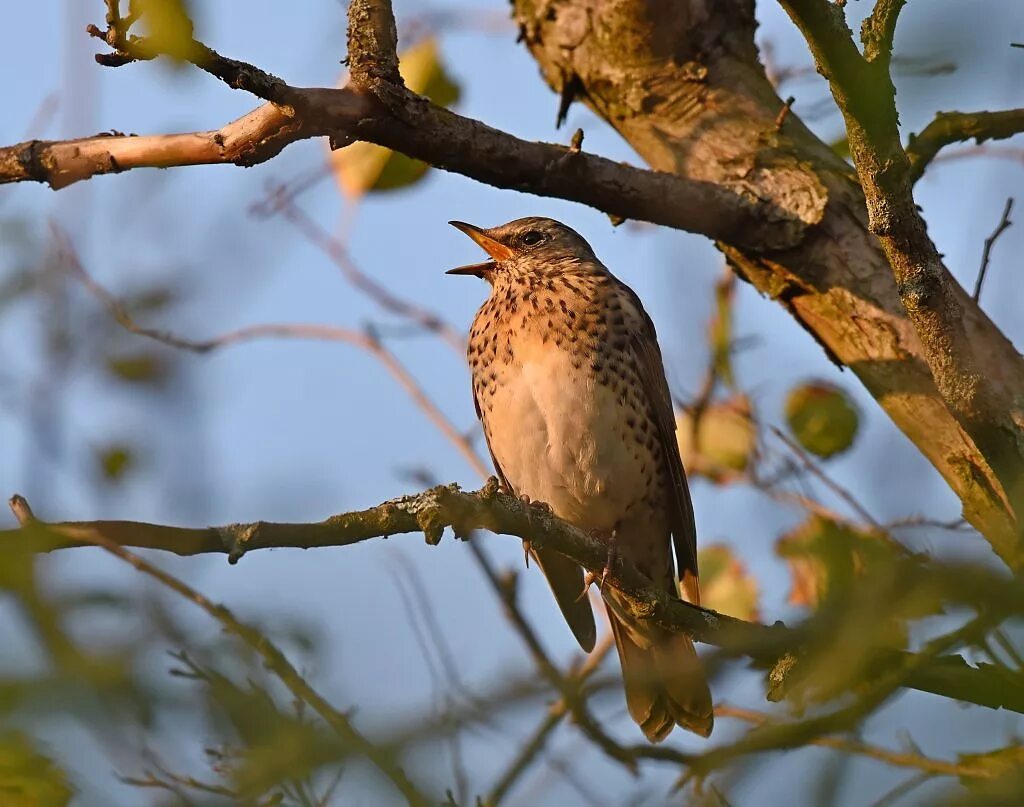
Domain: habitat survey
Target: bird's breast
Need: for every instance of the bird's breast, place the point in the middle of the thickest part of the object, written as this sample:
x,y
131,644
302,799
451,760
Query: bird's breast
x,y
560,430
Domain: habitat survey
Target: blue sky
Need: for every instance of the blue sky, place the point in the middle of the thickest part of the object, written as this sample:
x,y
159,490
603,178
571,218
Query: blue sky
x,y
297,431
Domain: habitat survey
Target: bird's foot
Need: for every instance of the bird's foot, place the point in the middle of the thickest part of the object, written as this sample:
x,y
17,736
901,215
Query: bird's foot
x,y
537,504
527,548
613,555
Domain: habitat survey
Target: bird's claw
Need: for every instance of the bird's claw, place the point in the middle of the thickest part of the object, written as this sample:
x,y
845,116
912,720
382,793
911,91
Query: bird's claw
x,y
613,555
537,504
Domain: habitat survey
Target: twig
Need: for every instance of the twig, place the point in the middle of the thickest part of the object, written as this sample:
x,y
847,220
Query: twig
x,y
787,106
850,746
505,588
537,741
828,481
366,340
336,250
1004,224
275,660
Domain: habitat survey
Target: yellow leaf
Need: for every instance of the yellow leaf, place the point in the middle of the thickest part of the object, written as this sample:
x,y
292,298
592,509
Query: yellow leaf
x,y
363,167
725,584
725,439
167,26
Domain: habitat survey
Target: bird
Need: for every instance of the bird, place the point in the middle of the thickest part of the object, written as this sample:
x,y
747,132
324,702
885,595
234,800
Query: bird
x,y
569,385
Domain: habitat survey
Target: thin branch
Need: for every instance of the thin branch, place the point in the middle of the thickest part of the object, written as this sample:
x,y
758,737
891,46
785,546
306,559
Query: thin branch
x,y
366,340
335,249
275,660
897,758
505,588
253,138
955,127
434,510
537,741
1004,224
812,467
879,29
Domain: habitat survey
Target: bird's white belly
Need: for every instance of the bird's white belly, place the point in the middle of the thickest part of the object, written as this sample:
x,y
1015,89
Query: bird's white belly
x,y
560,438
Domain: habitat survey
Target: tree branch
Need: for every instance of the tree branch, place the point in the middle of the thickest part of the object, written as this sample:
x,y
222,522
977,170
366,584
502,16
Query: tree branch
x,y
955,127
446,506
394,117
372,43
274,659
717,124
935,303
253,138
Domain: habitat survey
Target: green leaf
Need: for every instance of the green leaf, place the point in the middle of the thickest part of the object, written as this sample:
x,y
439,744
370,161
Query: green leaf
x,y
363,167
139,368
725,584
725,439
115,461
720,330
822,418
27,778
841,147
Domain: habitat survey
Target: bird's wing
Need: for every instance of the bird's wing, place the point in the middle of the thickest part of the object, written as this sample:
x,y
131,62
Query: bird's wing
x,y
563,575
651,370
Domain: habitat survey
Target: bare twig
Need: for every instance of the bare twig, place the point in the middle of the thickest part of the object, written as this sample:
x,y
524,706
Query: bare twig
x,y
850,746
366,340
1004,224
815,469
271,655
505,588
537,741
337,251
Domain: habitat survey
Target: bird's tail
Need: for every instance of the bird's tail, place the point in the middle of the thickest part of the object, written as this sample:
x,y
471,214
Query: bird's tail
x,y
664,681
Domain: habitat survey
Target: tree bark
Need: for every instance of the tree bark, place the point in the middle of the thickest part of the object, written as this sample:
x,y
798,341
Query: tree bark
x,y
683,84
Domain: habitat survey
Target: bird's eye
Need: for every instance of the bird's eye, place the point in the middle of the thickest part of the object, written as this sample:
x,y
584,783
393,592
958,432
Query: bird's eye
x,y
532,238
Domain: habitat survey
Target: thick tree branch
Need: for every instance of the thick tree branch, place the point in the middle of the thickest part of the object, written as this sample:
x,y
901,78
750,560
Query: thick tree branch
x,y
392,116
955,127
934,302
699,104
446,506
740,180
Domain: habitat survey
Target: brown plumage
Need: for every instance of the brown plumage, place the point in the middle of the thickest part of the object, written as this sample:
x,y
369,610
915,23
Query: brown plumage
x,y
569,384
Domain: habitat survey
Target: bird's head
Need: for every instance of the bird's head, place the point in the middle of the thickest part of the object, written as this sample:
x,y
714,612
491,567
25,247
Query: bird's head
x,y
530,246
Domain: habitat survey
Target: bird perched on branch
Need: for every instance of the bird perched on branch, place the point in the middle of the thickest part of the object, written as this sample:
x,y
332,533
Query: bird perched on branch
x,y
569,384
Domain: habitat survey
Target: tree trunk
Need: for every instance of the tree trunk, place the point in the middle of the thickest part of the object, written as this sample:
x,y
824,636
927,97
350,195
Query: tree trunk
x,y
681,81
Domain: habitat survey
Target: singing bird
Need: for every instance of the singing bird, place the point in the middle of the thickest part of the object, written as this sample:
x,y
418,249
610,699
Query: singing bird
x,y
569,384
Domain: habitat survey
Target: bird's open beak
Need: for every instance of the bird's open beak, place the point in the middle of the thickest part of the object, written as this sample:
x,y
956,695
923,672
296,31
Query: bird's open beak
x,y
497,250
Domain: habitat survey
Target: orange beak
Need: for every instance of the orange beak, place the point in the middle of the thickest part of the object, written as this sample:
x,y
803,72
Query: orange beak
x,y
497,250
